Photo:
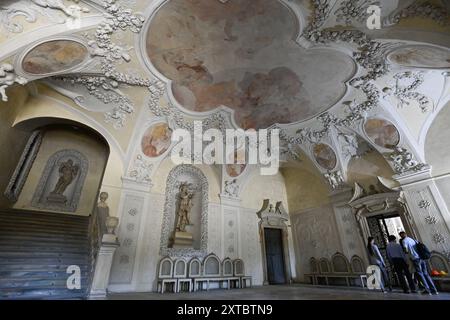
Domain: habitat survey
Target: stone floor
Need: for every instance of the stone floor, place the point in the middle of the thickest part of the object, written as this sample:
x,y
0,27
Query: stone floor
x,y
286,292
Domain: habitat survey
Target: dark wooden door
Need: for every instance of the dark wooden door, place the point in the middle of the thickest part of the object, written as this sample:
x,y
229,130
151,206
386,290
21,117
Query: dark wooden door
x,y
274,255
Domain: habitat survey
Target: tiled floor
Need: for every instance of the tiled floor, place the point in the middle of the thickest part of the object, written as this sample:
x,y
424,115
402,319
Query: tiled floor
x,y
291,292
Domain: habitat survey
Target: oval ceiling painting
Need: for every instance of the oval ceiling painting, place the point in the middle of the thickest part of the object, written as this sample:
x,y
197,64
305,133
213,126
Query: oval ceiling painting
x,y
421,56
156,140
325,156
235,170
54,56
382,132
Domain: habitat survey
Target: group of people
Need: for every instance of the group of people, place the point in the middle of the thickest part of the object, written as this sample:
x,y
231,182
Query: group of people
x,y
407,263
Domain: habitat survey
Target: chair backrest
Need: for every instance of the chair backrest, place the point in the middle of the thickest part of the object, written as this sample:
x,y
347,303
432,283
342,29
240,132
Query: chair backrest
x,y
313,266
195,268
324,265
357,264
165,268
180,269
339,263
211,266
439,262
239,269
227,267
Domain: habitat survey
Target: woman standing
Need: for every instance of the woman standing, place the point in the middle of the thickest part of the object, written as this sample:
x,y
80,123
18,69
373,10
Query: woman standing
x,y
375,258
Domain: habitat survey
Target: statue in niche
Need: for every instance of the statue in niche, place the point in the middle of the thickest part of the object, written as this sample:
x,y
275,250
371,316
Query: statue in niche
x,y
67,174
184,208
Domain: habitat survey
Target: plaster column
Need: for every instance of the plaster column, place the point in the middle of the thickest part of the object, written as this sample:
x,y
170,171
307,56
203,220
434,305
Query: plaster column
x,y
427,208
103,266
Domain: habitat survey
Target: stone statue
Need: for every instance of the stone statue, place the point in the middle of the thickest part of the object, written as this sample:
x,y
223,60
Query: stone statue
x,y
103,212
184,208
67,173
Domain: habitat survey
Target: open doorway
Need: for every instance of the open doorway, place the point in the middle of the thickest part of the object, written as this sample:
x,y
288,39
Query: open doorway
x,y
381,226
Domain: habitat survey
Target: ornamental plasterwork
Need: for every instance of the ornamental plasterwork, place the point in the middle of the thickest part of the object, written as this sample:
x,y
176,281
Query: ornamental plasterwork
x,y
404,90
53,10
368,54
141,170
424,9
8,78
403,161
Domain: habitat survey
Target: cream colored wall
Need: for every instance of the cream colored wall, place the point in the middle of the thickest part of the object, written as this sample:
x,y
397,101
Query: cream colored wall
x,y
305,186
260,187
437,146
12,140
60,139
365,170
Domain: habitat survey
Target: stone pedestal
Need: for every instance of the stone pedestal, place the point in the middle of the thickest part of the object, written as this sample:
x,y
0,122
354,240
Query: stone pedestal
x,y
56,198
103,266
183,239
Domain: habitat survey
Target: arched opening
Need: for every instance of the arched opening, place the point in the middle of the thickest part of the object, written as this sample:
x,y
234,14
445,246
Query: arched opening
x,y
48,216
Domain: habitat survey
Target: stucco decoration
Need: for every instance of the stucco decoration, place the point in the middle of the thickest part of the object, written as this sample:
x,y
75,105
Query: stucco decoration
x,y
421,56
199,212
192,43
54,11
54,56
51,178
325,156
382,132
8,77
237,168
156,140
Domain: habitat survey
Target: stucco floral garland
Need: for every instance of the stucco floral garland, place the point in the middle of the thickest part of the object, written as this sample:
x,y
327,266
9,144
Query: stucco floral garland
x,y
105,87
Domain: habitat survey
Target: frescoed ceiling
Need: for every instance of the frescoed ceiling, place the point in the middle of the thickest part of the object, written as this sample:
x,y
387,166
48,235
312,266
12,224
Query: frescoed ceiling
x,y
243,55
315,69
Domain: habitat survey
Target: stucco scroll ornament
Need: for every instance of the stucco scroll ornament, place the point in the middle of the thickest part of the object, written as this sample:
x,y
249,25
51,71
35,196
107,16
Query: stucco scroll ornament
x,y
351,10
335,179
232,188
403,161
349,144
404,90
8,78
70,11
141,170
106,86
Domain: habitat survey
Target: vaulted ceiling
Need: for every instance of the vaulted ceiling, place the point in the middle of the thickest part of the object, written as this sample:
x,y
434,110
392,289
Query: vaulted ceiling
x,y
312,68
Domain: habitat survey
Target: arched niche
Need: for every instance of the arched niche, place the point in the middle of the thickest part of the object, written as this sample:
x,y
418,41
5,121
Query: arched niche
x,y
61,183
199,212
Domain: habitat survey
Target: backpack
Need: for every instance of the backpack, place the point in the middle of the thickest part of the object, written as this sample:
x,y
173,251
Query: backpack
x,y
422,250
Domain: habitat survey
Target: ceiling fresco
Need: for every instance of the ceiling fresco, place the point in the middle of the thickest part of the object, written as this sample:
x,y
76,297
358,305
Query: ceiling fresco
x,y
54,56
241,54
421,56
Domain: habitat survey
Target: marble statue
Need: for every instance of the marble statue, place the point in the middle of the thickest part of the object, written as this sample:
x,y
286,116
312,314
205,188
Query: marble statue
x,y
67,173
184,208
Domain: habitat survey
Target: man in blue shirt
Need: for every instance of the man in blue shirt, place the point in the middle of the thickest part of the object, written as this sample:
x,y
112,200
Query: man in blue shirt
x,y
397,257
409,245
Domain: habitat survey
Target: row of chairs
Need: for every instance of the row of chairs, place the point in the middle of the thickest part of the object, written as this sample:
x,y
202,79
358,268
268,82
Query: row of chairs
x,y
338,269
178,274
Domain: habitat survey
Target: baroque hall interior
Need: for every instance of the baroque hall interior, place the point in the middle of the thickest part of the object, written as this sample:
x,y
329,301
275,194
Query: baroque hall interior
x,y
349,101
